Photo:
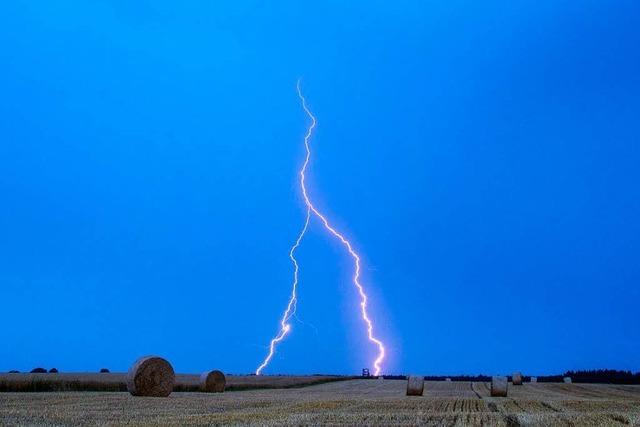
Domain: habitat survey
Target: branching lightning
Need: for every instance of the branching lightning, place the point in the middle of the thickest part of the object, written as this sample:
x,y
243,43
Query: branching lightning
x,y
285,326
290,311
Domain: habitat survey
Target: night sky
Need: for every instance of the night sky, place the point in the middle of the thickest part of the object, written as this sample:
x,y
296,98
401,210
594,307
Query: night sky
x,y
483,157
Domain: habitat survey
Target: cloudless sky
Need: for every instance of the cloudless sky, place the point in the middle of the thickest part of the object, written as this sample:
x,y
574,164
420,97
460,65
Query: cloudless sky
x,y
482,156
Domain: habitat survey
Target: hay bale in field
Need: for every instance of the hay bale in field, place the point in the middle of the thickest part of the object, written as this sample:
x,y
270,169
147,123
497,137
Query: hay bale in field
x,y
448,380
499,386
415,385
53,371
516,378
38,371
104,371
567,380
534,379
212,382
151,376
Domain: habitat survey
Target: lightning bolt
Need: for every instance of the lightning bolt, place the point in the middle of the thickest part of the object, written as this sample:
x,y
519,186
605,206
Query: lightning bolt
x,y
290,311
285,327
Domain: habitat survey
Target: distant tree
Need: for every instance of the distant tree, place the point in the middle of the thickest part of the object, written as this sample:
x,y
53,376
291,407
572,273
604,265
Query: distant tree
x,y
479,378
53,371
394,377
608,376
611,376
38,371
104,371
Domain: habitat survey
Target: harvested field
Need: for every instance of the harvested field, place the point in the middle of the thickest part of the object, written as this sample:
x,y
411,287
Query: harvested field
x,y
118,382
361,402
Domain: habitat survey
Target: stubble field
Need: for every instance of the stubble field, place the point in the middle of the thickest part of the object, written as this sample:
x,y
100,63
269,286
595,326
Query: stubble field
x,y
85,381
353,402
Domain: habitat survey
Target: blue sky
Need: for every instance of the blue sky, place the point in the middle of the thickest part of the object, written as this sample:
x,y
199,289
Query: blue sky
x,y
483,158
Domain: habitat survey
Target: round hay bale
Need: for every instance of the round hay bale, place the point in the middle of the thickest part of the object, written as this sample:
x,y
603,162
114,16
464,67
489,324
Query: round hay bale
x,y
516,378
415,385
448,380
534,379
212,382
499,386
567,380
151,376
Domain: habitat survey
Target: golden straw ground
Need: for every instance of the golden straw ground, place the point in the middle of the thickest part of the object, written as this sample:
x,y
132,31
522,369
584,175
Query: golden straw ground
x,y
355,402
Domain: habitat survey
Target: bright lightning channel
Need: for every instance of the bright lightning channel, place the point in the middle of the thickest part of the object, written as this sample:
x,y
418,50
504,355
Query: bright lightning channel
x,y
285,327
